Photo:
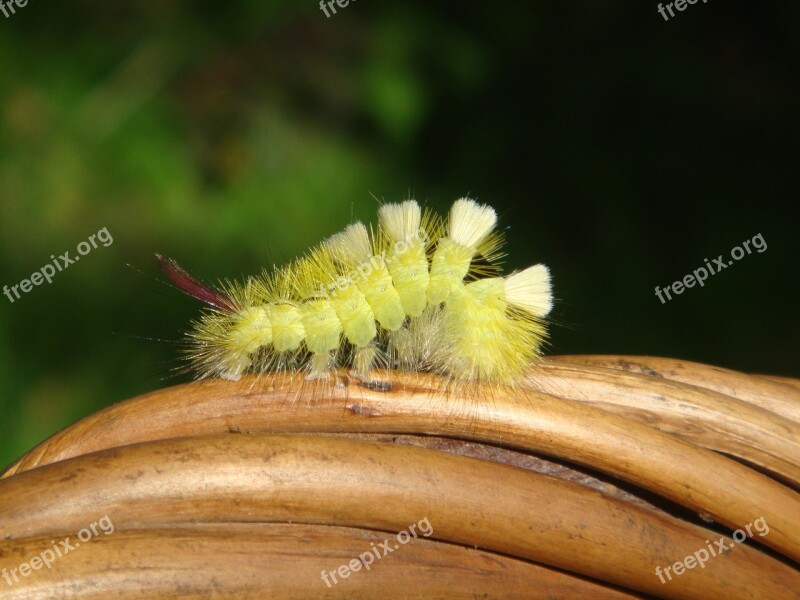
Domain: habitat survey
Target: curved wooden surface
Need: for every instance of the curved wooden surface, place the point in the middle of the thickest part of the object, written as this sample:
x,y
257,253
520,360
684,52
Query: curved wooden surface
x,y
253,469
257,561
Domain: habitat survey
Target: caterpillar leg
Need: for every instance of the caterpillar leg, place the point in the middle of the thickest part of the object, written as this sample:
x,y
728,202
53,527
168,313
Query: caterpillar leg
x,y
235,367
319,366
401,350
363,362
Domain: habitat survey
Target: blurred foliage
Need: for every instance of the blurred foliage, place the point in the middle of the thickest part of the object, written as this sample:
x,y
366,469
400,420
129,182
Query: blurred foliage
x,y
620,149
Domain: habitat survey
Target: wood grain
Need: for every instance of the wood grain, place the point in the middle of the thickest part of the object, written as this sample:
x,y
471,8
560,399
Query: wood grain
x,y
526,419
578,483
338,481
253,561
699,415
780,395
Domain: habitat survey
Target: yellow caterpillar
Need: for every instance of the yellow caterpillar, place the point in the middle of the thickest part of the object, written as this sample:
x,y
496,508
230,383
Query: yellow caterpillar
x,y
417,293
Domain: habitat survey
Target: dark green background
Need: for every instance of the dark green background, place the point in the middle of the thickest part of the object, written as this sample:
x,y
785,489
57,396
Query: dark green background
x,y
620,149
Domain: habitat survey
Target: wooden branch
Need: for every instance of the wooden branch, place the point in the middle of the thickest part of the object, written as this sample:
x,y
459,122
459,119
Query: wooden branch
x,y
640,442
338,481
784,381
255,561
699,415
524,419
780,395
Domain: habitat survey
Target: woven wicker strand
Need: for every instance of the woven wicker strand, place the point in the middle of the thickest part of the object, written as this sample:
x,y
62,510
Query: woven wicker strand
x,y
579,484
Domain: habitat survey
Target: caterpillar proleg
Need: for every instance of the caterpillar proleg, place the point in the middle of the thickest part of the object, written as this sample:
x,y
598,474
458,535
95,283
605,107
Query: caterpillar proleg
x,y
417,292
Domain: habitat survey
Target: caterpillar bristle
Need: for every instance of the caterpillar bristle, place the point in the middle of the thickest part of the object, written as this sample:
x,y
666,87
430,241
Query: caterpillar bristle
x,y
530,290
416,293
401,221
351,246
471,222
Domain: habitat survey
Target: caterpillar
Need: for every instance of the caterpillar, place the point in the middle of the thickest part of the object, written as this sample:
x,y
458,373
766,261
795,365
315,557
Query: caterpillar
x,y
417,292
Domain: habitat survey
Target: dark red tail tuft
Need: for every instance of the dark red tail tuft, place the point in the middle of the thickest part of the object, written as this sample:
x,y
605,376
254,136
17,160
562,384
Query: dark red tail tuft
x,y
189,285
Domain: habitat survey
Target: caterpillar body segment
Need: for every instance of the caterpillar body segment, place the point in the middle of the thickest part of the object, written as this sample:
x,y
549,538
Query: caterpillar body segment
x,y
416,293
406,238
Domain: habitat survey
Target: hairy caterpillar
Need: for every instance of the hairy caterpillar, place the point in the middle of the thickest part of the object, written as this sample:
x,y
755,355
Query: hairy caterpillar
x,y
416,293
